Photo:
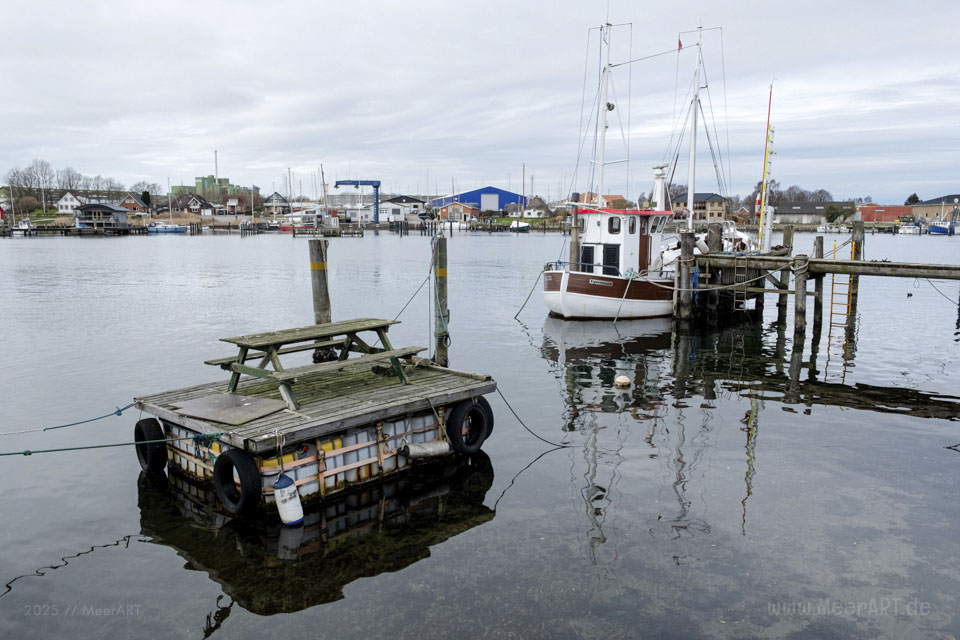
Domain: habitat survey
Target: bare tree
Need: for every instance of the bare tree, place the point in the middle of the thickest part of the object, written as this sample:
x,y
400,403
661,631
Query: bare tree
x,y
69,179
45,178
821,195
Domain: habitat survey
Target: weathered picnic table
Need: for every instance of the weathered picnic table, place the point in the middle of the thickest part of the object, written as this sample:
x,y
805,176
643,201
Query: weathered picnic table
x,y
344,337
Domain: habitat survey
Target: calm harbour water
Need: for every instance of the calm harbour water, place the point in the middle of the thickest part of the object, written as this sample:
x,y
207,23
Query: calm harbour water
x,y
714,498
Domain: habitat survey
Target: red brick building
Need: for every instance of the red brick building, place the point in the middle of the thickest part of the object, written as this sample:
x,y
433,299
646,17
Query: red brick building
x,y
133,204
883,213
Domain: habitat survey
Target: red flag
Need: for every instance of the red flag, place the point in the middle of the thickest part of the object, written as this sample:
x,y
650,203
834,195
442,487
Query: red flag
x,y
679,44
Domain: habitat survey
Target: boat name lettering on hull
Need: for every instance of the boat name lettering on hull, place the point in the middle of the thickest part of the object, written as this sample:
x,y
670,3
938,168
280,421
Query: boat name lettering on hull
x,y
603,283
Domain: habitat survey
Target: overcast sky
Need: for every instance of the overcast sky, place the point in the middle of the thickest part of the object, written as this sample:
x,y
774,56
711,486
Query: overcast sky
x,y
866,99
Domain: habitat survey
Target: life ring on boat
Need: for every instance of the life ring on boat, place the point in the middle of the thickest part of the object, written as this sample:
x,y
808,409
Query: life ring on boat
x,y
237,501
152,455
467,426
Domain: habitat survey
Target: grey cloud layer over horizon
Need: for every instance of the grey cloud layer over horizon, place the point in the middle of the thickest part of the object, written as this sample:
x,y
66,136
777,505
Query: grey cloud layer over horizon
x,y
866,98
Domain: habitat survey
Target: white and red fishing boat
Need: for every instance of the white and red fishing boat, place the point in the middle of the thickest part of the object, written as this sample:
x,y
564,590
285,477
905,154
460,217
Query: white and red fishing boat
x,y
619,274
619,267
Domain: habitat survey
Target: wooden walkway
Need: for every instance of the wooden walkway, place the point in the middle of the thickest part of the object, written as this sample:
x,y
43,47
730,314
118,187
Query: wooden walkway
x,y
329,402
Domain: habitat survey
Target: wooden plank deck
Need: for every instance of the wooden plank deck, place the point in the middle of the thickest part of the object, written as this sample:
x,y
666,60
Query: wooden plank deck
x,y
329,402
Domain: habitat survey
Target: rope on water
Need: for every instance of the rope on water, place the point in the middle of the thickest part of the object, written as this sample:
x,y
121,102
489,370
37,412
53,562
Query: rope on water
x,y
117,412
948,298
522,424
199,439
532,289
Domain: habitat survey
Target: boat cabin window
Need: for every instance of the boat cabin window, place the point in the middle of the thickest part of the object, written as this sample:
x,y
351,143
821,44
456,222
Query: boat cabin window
x,y
613,225
586,259
611,259
582,224
632,225
643,226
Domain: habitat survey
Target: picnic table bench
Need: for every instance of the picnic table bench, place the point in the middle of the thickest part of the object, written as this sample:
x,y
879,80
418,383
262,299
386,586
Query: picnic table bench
x,y
343,337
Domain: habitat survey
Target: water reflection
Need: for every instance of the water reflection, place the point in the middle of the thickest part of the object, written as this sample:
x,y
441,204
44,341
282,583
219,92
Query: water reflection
x,y
267,568
677,382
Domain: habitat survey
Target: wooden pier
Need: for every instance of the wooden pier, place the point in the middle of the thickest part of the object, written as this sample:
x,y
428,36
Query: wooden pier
x,y
736,277
58,230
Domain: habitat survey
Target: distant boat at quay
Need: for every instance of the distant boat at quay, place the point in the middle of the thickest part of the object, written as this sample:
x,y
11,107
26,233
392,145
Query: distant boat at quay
x,y
163,227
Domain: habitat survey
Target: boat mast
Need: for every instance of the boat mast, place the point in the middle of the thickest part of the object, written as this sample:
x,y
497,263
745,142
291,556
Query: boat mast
x,y
763,239
694,107
604,107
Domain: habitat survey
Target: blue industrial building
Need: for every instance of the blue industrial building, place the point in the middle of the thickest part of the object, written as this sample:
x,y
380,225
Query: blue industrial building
x,y
485,199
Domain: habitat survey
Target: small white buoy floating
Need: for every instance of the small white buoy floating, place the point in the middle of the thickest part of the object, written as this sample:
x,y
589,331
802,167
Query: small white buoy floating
x,y
622,382
288,501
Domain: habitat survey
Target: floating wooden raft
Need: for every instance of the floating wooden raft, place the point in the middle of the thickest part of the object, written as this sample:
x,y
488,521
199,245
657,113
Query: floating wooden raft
x,y
330,401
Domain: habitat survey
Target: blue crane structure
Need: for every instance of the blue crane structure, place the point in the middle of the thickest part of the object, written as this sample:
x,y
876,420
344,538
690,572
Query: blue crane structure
x,y
365,183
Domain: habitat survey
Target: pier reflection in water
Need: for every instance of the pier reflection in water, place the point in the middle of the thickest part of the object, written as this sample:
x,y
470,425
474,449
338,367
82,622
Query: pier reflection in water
x,y
267,568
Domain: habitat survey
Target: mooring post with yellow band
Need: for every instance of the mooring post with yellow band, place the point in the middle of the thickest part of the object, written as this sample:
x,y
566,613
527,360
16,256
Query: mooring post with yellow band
x,y
318,278
441,331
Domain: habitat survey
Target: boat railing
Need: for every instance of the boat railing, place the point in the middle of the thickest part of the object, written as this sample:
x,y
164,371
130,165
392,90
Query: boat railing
x,y
655,274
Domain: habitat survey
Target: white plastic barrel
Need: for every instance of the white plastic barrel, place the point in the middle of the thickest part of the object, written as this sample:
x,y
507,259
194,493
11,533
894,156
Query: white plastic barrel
x,y
288,501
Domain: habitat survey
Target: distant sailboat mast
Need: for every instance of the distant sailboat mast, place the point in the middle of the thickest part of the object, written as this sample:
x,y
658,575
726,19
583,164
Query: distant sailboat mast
x,y
763,239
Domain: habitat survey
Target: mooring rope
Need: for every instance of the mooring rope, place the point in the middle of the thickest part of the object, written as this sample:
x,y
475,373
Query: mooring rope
x,y
203,438
523,424
532,289
117,412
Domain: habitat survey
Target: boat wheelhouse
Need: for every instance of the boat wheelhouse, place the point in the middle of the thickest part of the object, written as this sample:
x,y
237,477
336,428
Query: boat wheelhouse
x,y
620,272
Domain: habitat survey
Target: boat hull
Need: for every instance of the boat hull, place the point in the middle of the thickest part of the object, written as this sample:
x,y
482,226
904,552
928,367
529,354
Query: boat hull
x,y
169,229
941,228
577,295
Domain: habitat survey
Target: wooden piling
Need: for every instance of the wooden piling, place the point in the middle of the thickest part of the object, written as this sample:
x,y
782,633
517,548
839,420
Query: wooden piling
x,y
800,297
575,241
714,244
685,300
818,287
318,279
441,331
785,274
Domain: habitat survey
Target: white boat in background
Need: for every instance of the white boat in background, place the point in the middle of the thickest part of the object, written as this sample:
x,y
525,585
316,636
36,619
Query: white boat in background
x,y
520,227
909,229
164,227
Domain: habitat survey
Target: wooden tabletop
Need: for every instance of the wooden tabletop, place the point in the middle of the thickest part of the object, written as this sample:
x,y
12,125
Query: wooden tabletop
x,y
312,332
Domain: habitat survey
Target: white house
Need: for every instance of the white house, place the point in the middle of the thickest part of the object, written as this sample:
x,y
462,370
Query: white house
x,y
530,213
389,212
67,205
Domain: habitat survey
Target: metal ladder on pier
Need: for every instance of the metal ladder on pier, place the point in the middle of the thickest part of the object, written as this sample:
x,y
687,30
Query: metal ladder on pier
x,y
740,284
839,322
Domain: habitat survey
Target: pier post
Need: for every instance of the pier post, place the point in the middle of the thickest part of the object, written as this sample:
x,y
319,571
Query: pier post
x,y
441,331
687,241
575,240
785,274
818,289
800,264
318,279
715,244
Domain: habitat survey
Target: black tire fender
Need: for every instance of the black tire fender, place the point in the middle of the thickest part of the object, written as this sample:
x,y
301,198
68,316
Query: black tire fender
x,y
482,401
152,455
467,427
237,501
